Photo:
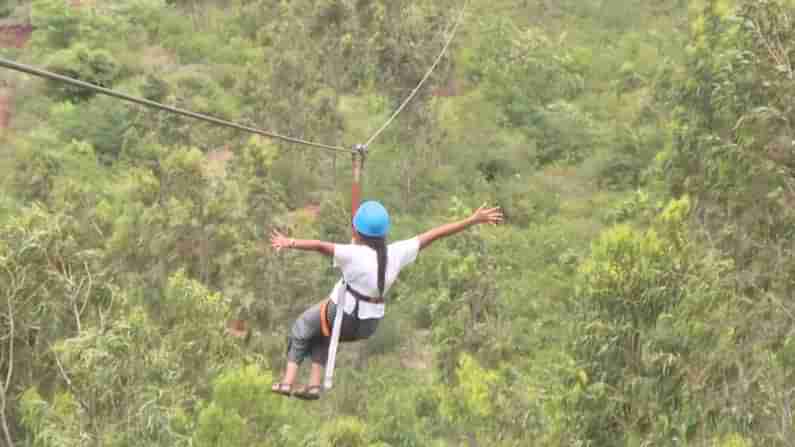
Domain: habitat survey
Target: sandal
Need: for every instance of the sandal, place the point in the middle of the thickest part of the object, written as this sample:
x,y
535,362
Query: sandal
x,y
308,392
285,389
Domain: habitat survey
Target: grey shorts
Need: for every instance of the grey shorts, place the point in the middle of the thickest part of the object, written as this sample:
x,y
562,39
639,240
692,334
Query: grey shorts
x,y
306,336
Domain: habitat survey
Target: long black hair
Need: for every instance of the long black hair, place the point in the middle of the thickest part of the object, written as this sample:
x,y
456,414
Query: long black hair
x,y
379,245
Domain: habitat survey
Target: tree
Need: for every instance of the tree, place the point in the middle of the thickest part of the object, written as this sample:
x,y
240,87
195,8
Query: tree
x,y
51,288
732,152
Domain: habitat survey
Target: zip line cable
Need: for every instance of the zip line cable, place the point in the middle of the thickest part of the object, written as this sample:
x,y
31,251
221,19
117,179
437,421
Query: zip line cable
x,y
422,81
5,63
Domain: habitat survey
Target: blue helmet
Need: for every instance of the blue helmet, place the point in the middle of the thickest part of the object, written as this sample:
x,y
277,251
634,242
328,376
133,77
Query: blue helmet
x,y
371,219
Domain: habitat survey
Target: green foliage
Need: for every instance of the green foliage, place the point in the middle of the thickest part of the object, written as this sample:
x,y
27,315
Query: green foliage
x,y
630,152
533,79
60,23
101,122
7,9
51,423
216,428
524,69
470,402
737,129
386,340
732,151
129,367
344,432
94,66
638,207
629,286
733,440
406,415
130,237
34,170
560,132
648,304
242,409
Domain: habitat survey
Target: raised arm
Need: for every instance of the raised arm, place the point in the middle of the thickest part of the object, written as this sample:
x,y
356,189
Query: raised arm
x,y
279,241
481,216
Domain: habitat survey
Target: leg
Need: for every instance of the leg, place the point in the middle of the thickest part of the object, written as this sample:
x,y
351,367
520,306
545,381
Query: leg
x,y
285,386
319,356
313,389
305,329
315,374
320,350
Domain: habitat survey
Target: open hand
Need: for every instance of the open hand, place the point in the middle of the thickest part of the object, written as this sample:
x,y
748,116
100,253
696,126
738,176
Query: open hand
x,y
488,215
279,241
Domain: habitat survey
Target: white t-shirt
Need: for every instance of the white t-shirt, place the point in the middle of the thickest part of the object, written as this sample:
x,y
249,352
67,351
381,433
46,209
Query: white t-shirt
x,y
359,265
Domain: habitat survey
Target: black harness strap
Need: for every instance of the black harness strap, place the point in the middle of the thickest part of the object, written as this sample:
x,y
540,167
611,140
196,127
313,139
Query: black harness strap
x,y
361,297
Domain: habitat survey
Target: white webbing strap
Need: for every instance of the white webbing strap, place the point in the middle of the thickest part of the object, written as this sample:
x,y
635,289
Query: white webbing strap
x,y
335,337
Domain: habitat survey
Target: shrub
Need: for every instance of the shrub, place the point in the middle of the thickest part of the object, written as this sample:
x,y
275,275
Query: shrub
x,y
94,66
101,122
56,22
345,431
561,132
242,411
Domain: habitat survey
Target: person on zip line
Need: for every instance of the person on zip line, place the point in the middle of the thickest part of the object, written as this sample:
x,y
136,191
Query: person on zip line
x,y
369,268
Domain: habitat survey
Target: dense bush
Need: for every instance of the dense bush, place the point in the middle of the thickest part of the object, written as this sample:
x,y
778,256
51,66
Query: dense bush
x,y
94,66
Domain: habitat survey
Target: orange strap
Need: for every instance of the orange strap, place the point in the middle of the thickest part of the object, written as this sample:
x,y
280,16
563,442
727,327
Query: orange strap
x,y
324,326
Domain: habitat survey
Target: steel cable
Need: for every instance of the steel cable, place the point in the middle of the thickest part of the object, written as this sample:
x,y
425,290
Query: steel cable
x,y
145,102
148,103
422,81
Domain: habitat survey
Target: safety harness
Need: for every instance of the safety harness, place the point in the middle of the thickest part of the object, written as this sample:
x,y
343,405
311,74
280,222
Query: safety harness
x,y
325,323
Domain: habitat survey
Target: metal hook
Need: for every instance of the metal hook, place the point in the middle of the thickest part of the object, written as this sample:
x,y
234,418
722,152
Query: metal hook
x,y
361,150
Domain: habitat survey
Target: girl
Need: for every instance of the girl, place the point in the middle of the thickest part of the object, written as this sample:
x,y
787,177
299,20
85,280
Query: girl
x,y
369,268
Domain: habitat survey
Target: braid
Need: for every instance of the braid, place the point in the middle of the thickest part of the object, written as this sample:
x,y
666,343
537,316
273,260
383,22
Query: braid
x,y
379,245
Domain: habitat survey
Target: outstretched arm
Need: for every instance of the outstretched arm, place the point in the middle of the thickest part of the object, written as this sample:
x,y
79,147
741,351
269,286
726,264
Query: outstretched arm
x,y
481,216
279,241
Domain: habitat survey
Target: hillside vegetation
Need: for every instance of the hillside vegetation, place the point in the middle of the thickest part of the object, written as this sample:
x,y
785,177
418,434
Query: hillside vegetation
x,y
640,293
